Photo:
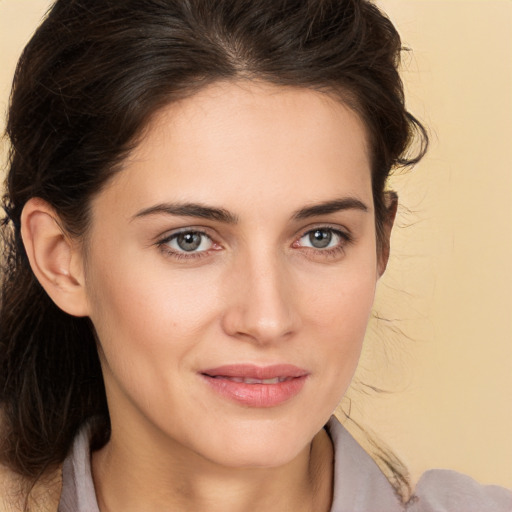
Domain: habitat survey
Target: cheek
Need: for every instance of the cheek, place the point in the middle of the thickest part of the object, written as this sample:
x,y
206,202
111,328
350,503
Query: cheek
x,y
337,315
342,299
139,310
342,324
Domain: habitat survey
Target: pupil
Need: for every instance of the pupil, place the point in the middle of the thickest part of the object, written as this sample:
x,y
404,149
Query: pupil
x,y
320,238
189,241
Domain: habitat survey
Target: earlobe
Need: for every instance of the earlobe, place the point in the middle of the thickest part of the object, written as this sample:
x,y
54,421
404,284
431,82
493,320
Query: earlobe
x,y
55,260
391,205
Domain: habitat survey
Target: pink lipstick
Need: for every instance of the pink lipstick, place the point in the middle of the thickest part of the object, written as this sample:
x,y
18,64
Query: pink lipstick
x,y
256,386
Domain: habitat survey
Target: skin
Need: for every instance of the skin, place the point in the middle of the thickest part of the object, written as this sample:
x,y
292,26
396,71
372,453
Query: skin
x,y
255,291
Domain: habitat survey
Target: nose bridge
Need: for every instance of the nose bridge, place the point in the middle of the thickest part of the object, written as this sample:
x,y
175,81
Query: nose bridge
x,y
262,300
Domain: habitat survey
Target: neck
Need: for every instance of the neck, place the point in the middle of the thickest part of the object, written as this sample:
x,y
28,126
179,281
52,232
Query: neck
x,y
141,478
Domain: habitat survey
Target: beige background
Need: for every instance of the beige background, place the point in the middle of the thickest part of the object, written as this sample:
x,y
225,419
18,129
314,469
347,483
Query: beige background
x,y
444,346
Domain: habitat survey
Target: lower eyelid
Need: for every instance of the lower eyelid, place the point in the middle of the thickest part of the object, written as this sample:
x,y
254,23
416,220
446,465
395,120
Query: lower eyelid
x,y
177,255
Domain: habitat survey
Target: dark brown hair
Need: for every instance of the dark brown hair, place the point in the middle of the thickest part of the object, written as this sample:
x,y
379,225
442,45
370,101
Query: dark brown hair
x,y
85,87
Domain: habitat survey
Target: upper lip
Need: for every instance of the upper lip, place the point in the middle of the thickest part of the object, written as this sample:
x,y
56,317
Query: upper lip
x,y
252,371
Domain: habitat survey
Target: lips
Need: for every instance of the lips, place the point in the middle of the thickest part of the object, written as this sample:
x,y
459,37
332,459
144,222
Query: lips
x,y
256,386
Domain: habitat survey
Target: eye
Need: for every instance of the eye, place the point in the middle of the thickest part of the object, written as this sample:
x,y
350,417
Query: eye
x,y
322,238
189,242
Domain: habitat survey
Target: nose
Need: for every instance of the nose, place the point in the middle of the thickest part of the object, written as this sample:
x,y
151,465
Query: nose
x,y
261,305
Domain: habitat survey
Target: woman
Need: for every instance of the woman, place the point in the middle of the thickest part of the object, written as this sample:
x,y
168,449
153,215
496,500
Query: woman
x,y
196,223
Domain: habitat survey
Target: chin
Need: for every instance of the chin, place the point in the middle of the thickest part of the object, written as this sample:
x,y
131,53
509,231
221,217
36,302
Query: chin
x,y
259,457
257,445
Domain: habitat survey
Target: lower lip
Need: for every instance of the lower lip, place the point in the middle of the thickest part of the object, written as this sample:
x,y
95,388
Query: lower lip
x,y
257,395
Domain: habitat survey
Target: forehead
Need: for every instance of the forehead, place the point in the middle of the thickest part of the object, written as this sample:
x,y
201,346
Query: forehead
x,y
248,143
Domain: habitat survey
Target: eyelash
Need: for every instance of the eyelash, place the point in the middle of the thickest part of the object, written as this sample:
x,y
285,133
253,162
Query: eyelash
x,y
183,255
345,239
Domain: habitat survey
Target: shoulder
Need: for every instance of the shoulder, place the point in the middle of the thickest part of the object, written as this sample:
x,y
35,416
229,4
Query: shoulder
x,y
361,486
440,490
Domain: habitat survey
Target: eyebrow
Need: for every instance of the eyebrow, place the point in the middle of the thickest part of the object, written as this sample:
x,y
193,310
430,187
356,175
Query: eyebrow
x,y
222,215
333,206
189,210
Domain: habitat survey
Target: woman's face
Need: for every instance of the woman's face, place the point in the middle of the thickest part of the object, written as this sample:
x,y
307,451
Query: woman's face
x,y
230,272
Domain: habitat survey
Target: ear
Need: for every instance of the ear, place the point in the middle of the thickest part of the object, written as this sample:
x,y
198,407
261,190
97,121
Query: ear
x,y
55,258
391,205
